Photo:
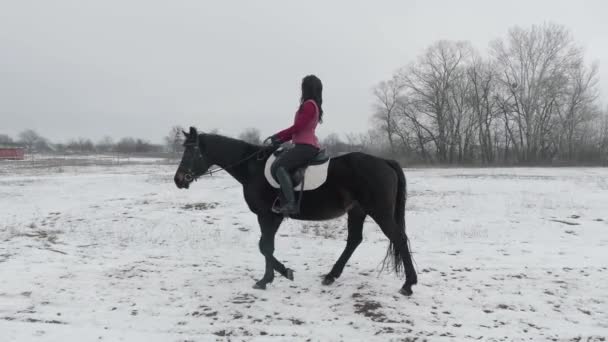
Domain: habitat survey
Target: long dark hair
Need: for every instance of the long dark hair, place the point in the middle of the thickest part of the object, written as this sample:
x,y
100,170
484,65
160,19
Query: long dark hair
x,y
312,89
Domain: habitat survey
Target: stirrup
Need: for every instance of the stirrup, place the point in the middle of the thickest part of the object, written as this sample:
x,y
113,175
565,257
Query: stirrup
x,y
285,209
276,206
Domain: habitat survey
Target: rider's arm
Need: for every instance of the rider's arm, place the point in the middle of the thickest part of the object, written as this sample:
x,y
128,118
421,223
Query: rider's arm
x,y
306,114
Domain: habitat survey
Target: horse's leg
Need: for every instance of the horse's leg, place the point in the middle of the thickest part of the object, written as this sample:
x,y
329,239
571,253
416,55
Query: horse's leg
x,y
391,229
356,217
411,278
269,224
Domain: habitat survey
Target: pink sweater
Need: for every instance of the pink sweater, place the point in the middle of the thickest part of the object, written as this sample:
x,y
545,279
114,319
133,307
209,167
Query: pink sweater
x,y
303,129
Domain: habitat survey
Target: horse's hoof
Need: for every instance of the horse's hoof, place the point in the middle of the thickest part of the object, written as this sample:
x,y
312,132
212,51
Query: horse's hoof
x,y
328,280
289,274
406,291
259,286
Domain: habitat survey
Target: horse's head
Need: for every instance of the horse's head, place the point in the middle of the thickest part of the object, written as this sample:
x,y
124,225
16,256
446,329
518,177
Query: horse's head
x,y
194,163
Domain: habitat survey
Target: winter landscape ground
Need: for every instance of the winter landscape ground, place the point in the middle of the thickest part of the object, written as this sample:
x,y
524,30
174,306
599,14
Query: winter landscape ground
x,y
118,253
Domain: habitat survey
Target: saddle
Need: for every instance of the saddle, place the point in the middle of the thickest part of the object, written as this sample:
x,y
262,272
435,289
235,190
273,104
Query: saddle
x,y
313,175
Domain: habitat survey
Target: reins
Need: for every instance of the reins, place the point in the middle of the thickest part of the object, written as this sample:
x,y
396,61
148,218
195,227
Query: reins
x,y
211,172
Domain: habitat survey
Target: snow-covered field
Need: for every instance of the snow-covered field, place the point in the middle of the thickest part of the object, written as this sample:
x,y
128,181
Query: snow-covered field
x,y
119,253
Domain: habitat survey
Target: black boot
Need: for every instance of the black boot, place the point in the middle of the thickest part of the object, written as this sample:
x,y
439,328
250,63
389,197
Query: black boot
x,y
289,207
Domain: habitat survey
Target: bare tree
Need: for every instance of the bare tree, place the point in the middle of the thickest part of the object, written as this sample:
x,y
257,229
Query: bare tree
x,y
175,139
603,137
60,147
144,146
578,106
533,66
251,135
133,145
334,145
433,100
126,145
29,138
461,121
534,99
412,123
387,101
81,145
483,102
43,145
372,141
106,144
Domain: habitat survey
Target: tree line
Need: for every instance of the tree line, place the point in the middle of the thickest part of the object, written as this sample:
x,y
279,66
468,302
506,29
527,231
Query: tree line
x,y
33,142
532,99
36,143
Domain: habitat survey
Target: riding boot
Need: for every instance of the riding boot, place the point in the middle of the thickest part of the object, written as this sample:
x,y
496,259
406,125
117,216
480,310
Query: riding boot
x,y
289,207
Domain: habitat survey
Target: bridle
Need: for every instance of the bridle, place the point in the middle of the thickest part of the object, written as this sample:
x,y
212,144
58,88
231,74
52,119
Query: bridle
x,y
189,174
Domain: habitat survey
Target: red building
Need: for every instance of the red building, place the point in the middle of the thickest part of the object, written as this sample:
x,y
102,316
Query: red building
x,y
12,153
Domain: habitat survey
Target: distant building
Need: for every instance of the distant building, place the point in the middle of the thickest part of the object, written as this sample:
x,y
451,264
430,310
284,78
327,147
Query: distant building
x,y
11,152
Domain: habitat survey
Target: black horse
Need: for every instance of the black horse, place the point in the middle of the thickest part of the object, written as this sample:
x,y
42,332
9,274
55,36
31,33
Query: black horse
x,y
357,183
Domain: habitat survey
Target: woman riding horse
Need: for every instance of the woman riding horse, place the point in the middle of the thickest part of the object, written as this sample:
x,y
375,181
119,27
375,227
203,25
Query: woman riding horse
x,y
357,184
302,134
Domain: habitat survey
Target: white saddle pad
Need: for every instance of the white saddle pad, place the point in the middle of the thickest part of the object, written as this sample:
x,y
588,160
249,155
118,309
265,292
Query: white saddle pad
x,y
314,176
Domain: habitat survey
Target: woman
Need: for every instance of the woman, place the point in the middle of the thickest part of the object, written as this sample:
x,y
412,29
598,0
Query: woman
x,y
302,134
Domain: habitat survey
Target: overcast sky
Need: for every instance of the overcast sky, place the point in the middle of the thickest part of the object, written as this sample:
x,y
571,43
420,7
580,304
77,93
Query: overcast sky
x,y
135,68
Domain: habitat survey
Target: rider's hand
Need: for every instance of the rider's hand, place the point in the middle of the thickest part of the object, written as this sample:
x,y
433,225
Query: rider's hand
x,y
274,141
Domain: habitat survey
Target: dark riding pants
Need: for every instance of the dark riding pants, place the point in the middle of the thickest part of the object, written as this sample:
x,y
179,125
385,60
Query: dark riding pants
x,y
294,158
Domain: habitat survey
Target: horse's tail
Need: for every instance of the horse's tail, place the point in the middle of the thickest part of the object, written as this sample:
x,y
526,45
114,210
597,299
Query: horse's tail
x,y
392,254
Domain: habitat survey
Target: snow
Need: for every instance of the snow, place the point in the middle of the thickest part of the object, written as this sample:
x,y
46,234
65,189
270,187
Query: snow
x,y
118,253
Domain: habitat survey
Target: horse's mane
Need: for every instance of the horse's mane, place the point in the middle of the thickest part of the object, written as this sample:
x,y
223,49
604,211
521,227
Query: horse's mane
x,y
217,140
222,138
